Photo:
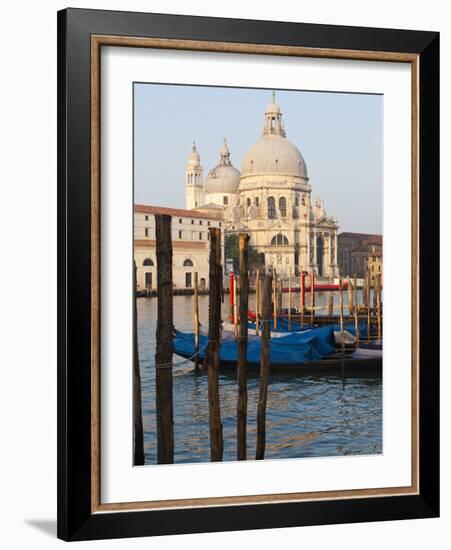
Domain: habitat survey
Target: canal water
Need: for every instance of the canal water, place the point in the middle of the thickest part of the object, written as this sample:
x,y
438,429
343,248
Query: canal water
x,y
307,416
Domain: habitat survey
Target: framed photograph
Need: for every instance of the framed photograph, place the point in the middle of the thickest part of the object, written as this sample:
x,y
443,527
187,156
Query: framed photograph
x,y
248,274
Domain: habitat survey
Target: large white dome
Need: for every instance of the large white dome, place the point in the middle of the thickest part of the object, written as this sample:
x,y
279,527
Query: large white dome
x,y
274,154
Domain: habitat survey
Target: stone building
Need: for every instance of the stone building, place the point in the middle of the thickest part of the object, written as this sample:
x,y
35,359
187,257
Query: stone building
x,y
354,250
190,239
375,266
270,200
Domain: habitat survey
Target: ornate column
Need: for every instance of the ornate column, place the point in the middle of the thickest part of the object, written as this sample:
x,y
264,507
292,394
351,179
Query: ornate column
x,y
331,256
336,254
326,253
315,245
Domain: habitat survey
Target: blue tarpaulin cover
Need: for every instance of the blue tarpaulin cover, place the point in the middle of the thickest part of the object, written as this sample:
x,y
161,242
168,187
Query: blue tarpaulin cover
x,y
294,348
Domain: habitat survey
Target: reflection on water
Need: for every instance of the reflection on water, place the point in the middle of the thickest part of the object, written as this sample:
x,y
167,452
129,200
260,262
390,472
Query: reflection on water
x,y
306,416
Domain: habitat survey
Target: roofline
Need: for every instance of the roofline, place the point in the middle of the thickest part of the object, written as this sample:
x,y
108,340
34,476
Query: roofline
x,y
152,243
152,209
368,235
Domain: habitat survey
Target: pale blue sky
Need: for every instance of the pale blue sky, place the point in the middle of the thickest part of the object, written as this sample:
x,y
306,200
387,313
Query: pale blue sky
x,y
339,136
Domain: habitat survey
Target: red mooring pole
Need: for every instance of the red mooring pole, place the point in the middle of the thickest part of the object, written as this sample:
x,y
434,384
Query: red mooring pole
x,y
231,295
303,288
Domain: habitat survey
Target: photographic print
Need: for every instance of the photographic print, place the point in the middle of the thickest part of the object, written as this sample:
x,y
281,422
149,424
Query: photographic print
x,y
258,254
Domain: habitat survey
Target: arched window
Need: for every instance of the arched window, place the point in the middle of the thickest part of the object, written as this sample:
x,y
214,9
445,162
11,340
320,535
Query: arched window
x,y
283,207
148,261
279,240
271,207
188,263
248,202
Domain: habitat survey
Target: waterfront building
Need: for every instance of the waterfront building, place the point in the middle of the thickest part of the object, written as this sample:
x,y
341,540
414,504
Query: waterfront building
x,y
354,251
270,200
375,266
190,239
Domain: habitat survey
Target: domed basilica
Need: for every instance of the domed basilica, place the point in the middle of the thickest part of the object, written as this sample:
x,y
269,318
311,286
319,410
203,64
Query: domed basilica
x,y
270,200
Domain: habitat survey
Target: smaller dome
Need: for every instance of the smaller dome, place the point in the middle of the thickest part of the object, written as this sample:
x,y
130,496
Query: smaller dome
x,y
223,179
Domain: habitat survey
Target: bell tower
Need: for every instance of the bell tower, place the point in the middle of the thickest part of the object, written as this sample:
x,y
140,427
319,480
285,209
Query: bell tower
x,y
194,185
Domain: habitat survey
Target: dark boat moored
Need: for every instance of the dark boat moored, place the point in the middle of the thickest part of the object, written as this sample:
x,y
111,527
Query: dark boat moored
x,y
311,352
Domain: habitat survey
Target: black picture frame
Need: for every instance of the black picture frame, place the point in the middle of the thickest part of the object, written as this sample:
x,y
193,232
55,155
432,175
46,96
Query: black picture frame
x,y
75,518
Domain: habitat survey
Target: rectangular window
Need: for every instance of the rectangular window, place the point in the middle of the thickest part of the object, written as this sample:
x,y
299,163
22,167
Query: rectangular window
x,y
180,234
146,231
146,218
225,200
188,280
200,222
200,236
192,222
219,224
180,220
208,223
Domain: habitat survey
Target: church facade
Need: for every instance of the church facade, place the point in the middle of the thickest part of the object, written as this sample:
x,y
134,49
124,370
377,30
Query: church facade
x,y
270,200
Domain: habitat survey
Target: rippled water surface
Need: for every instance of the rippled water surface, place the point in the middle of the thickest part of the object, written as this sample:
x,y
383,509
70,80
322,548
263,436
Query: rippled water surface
x,y
306,415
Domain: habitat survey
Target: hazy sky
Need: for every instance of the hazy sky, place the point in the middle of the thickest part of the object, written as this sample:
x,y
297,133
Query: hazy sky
x,y
339,136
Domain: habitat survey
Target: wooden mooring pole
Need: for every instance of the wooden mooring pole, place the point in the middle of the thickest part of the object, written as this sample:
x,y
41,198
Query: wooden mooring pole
x,y
138,433
257,302
379,320
364,292
242,349
302,293
264,367
356,293
212,356
235,308
274,297
356,313
289,301
330,305
368,303
231,285
196,321
350,297
163,355
312,296
342,332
